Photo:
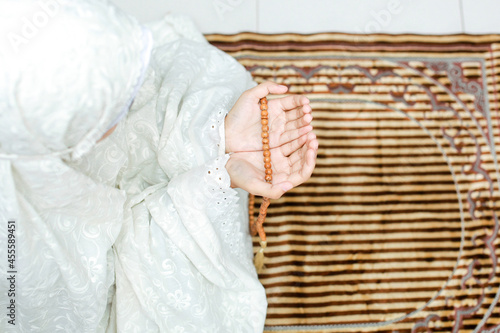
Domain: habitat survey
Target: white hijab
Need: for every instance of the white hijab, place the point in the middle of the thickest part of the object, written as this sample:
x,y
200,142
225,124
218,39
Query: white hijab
x,y
69,71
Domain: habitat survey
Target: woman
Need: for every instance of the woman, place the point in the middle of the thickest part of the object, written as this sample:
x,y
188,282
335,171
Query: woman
x,y
144,230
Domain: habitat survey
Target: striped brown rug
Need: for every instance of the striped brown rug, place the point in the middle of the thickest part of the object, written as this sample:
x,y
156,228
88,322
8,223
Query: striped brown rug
x,y
397,229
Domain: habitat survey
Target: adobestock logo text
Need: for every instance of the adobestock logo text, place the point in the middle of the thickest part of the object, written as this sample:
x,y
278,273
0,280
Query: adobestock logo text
x,y
31,26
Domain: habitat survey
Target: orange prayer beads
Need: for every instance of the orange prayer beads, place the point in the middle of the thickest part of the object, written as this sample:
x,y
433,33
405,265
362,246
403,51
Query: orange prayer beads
x,y
264,120
256,227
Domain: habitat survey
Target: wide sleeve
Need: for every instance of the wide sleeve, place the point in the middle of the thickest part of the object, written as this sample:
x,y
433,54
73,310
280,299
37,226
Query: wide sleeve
x,y
183,261
184,256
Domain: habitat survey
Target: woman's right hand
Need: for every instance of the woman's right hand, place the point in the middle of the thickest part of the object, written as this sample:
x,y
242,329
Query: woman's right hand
x,y
292,164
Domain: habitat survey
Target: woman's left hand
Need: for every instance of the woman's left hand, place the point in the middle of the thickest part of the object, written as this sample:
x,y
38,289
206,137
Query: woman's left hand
x,y
289,119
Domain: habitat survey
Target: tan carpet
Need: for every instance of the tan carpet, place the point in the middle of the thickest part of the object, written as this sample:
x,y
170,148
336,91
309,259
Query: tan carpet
x,y
397,229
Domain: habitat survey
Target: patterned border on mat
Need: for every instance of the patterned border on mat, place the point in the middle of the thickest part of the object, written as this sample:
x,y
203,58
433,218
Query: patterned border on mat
x,y
432,71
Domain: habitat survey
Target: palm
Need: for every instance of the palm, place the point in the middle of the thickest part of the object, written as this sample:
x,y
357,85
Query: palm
x,y
292,144
292,164
289,119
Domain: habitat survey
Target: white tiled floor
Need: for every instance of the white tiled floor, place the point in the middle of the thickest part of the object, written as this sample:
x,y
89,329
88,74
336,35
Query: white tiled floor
x,y
310,16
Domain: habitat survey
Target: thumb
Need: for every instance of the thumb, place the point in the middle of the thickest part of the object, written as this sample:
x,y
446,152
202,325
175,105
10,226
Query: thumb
x,y
266,88
272,191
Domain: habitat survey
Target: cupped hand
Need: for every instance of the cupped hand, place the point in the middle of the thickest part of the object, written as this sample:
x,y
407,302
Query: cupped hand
x,y
292,164
289,119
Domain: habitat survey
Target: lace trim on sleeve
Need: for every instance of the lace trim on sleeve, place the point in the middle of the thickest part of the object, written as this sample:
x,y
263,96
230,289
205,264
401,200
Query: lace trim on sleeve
x,y
216,126
223,212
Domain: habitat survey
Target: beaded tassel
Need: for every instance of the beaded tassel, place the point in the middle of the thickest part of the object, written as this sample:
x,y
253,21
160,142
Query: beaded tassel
x,y
257,227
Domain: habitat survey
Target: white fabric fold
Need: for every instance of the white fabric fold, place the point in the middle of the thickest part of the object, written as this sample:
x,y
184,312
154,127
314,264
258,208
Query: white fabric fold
x,y
60,90
140,232
184,256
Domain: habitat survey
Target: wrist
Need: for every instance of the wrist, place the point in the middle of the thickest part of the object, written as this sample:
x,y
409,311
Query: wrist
x,y
226,137
230,170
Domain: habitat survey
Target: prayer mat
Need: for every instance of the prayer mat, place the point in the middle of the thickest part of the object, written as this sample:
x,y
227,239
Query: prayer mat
x,y
397,229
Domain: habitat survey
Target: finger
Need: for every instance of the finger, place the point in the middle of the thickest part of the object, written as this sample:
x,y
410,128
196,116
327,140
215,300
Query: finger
x,y
304,173
294,134
272,191
311,145
291,102
298,123
266,88
298,112
297,158
292,146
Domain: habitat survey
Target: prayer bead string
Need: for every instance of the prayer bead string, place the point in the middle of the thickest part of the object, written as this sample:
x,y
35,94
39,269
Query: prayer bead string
x,y
257,226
